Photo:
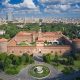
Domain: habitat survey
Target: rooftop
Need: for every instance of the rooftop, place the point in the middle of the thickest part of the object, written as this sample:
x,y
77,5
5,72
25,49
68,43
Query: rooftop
x,y
3,40
78,40
23,33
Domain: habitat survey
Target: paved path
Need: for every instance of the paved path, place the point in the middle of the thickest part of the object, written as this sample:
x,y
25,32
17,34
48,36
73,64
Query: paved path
x,y
24,73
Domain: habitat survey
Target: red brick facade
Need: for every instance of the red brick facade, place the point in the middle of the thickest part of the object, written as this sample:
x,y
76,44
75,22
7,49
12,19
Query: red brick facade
x,y
19,50
38,37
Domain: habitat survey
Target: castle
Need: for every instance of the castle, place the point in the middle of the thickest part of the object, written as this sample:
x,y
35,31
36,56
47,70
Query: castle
x,y
38,43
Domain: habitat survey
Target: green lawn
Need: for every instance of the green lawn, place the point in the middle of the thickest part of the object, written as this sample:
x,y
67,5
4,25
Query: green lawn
x,y
23,44
21,67
27,44
77,64
60,67
14,70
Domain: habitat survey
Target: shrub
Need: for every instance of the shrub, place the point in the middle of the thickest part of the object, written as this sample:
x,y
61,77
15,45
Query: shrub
x,y
77,55
12,70
78,78
70,61
47,58
67,70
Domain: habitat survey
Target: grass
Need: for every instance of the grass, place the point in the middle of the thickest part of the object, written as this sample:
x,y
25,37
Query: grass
x,y
77,64
33,43
60,67
27,44
21,67
14,69
23,44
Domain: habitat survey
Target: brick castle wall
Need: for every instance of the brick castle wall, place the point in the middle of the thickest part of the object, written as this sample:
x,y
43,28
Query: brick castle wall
x,y
19,50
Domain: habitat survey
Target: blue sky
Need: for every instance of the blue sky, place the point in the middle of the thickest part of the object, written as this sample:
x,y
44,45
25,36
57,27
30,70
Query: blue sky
x,y
41,8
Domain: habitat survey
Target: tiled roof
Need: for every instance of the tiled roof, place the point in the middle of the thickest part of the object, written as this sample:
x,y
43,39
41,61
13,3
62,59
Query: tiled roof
x,y
52,33
3,40
78,40
58,32
23,33
12,42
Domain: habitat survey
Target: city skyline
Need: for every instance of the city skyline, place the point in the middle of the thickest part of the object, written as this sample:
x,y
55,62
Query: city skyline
x,y
41,8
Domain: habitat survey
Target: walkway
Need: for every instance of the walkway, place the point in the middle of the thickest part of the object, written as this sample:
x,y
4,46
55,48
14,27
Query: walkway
x,y
23,75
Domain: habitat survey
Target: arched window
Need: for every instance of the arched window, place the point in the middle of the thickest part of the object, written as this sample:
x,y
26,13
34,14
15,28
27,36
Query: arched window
x,y
20,51
39,51
60,51
12,51
51,51
28,51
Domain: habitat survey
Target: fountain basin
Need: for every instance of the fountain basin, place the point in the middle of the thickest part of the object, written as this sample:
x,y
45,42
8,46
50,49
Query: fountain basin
x,y
39,71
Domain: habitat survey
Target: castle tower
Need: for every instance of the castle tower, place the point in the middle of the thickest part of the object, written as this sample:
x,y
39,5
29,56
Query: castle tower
x,y
40,33
40,41
3,45
40,22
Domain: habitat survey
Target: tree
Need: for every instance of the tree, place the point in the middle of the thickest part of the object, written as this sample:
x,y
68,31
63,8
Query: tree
x,y
56,59
77,56
16,60
11,56
70,60
44,57
24,58
47,58
1,65
31,60
7,62
67,70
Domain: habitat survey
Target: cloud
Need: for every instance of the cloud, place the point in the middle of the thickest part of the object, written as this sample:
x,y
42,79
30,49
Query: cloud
x,y
35,11
52,11
26,3
59,6
45,6
64,7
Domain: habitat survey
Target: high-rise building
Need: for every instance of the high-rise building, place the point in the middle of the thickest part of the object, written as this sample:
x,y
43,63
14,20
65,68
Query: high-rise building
x,y
9,16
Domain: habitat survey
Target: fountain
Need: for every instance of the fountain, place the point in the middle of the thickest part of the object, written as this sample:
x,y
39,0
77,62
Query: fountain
x,y
39,69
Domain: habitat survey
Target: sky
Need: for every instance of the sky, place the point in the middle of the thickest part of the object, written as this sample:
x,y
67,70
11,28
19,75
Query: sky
x,y
41,8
